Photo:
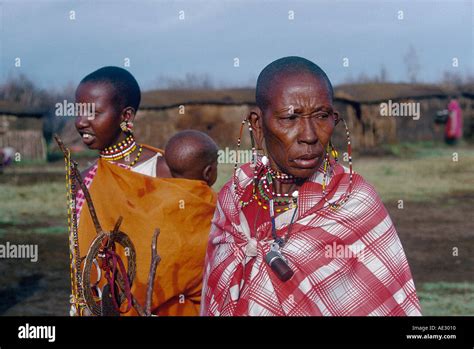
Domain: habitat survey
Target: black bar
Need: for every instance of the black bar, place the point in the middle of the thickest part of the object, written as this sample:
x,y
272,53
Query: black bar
x,y
158,332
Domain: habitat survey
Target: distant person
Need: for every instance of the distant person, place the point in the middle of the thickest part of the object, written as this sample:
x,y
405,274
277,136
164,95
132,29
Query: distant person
x,y
6,157
190,154
453,128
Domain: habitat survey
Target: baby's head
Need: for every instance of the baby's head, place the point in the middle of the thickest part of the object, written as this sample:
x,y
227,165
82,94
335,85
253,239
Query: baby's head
x,y
192,154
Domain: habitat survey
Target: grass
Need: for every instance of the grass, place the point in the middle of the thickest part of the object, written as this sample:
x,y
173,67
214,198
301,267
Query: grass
x,y
422,149
55,229
446,298
419,179
21,229
28,204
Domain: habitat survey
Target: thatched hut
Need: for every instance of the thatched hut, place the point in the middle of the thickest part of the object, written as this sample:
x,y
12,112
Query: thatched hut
x,y
21,128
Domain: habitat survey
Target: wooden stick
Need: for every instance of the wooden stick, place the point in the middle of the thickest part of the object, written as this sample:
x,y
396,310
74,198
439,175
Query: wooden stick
x,y
87,196
155,260
77,176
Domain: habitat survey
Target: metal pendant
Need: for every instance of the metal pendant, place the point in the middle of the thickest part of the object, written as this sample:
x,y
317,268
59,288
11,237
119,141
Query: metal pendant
x,y
278,263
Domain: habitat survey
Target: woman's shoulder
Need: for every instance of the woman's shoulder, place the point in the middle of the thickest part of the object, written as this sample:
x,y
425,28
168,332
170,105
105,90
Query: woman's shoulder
x,y
361,190
149,152
235,187
152,150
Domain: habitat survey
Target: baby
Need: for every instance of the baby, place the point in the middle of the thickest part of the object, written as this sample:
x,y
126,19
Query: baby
x,y
189,154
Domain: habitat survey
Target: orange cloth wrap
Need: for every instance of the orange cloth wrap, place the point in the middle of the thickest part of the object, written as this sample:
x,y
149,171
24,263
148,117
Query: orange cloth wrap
x,y
181,208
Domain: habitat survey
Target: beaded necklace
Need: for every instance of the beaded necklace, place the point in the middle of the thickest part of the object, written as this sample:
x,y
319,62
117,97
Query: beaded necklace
x,y
140,150
282,177
122,150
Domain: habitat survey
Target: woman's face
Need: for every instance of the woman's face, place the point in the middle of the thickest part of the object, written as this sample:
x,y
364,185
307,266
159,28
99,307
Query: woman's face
x,y
297,123
102,129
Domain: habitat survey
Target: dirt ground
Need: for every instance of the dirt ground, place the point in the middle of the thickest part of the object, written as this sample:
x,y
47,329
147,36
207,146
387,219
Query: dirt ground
x,y
40,288
429,232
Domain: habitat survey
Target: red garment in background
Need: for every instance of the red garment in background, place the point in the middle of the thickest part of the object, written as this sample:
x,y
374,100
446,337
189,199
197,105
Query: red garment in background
x,y
453,129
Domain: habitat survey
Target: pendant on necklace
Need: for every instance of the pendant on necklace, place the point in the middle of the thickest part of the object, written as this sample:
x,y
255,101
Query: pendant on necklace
x,y
278,263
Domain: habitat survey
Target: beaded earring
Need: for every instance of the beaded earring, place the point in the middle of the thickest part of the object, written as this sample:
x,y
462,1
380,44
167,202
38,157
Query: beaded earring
x,y
253,163
126,126
334,152
330,149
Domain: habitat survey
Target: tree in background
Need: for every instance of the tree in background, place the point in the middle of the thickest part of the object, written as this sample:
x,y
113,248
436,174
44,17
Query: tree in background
x,y
412,64
21,90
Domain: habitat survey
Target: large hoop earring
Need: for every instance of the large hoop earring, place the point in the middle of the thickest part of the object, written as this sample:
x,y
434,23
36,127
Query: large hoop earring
x,y
330,149
254,160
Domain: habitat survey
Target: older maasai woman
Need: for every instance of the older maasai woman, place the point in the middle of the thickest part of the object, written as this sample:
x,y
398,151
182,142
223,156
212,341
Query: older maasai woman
x,y
295,233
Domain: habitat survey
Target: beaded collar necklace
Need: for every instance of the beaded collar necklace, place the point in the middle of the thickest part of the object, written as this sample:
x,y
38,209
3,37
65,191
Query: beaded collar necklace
x,y
122,150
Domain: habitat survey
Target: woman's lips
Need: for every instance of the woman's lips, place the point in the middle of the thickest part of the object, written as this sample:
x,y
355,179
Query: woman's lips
x,y
88,138
307,161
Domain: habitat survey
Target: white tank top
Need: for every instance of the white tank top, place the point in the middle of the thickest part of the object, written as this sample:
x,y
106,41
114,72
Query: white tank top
x,y
148,167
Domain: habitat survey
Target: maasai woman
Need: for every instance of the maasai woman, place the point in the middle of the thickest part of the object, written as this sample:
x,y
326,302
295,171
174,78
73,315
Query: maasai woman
x,y
453,128
123,183
294,232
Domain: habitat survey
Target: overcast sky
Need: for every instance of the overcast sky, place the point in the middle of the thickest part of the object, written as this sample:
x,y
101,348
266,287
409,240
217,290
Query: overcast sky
x,y
56,50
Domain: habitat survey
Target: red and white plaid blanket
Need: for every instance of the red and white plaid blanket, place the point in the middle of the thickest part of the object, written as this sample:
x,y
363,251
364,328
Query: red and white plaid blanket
x,y
347,262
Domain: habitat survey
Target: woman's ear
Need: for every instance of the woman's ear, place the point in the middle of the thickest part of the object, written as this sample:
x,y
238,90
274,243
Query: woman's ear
x,y
255,118
128,114
336,117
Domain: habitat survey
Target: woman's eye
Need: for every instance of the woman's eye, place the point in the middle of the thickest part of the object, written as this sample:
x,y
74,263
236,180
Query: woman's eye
x,y
322,115
288,118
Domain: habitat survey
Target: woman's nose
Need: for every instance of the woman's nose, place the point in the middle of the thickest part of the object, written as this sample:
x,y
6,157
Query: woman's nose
x,y
82,121
307,131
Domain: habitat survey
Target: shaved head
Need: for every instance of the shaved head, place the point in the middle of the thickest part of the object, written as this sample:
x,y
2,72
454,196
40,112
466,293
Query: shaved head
x,y
124,87
284,67
188,153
